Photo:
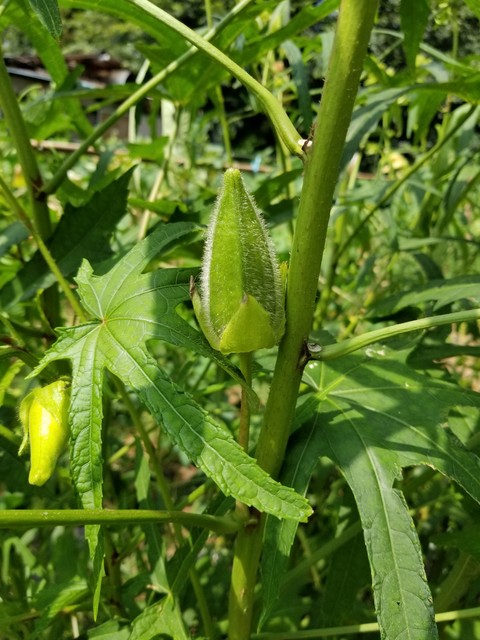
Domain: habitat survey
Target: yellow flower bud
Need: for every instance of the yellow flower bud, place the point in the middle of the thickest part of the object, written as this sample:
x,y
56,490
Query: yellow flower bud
x,y
44,415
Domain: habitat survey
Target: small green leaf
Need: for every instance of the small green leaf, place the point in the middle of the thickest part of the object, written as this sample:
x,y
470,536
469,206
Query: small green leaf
x,y
49,15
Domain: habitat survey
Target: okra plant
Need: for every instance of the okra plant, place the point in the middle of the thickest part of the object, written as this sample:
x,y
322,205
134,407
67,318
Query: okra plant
x,y
244,354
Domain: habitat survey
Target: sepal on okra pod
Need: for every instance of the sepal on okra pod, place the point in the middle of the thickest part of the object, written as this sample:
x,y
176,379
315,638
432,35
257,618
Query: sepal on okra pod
x,y
240,306
44,416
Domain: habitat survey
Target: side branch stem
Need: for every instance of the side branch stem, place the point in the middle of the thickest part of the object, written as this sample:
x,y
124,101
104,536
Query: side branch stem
x,y
13,518
331,351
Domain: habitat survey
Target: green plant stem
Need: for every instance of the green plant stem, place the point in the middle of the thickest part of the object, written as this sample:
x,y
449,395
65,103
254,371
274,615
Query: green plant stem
x,y
138,95
42,247
208,13
18,131
331,351
278,117
12,518
321,173
369,627
244,428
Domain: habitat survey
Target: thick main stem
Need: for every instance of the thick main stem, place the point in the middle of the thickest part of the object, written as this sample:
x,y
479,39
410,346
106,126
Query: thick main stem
x,y
244,428
321,174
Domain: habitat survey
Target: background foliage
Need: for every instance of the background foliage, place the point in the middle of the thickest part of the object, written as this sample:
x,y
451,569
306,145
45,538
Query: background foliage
x,y
385,440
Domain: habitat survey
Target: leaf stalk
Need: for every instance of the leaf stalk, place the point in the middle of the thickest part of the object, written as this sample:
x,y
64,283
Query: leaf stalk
x,y
331,351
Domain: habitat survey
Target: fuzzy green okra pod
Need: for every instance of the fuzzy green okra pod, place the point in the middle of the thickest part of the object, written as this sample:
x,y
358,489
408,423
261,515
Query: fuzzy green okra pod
x,y
240,307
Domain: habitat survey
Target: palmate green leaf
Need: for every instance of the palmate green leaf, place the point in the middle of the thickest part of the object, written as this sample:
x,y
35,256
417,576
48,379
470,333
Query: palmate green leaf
x,y
374,416
131,308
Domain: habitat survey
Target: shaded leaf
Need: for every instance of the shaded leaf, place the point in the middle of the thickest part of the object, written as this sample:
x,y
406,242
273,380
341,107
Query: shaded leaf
x,y
467,88
82,232
53,599
12,235
365,118
376,415
300,78
466,540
